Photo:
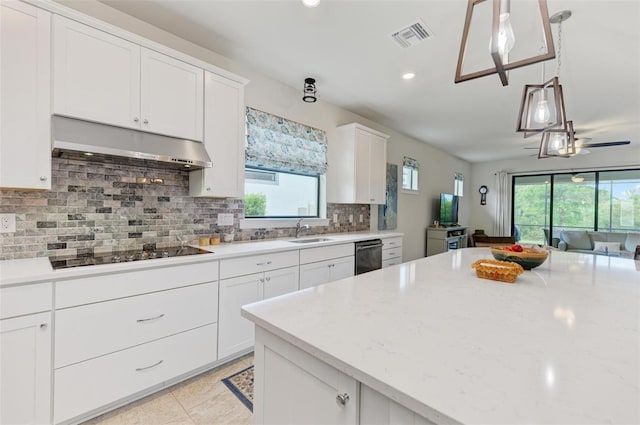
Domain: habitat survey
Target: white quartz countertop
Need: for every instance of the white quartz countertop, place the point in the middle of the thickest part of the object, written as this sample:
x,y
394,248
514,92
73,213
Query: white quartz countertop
x,y
33,270
559,346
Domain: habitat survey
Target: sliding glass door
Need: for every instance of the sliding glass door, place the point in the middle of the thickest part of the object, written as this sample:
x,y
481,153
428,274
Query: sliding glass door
x,y
545,205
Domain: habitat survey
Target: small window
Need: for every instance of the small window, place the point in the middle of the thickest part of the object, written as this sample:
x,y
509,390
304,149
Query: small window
x,y
410,169
277,194
458,184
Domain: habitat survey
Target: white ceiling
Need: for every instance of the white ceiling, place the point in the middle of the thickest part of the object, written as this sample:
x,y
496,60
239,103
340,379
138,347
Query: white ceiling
x,y
345,46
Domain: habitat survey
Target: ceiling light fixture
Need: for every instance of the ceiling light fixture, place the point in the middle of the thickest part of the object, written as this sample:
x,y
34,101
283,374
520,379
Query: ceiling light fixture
x,y
408,75
542,105
311,3
558,143
309,91
577,178
502,39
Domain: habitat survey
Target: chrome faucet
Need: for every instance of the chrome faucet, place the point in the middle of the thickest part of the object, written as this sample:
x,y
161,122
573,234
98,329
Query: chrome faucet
x,y
299,227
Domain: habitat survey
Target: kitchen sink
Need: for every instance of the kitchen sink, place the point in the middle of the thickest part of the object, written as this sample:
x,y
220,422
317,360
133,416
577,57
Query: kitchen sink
x,y
314,240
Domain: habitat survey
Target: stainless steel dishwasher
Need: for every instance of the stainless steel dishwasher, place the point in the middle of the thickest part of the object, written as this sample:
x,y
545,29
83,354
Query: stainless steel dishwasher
x,y
368,255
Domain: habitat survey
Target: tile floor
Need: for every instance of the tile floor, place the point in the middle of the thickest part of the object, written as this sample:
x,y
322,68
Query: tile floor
x,y
203,399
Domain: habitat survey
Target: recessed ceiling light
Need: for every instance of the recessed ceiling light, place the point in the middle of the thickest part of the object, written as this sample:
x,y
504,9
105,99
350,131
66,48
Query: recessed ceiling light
x,y
88,154
408,75
311,3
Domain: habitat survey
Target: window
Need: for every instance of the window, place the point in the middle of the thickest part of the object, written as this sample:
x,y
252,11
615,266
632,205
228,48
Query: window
x,y
284,162
410,169
458,184
544,205
279,194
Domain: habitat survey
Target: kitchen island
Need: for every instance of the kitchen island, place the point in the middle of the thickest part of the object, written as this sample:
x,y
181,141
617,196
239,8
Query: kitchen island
x,y
428,342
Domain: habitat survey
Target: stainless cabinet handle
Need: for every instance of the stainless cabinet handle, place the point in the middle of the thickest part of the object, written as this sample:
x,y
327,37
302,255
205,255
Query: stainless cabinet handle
x,y
372,199
262,279
342,399
138,369
43,179
208,189
136,119
268,279
262,264
160,316
43,325
145,121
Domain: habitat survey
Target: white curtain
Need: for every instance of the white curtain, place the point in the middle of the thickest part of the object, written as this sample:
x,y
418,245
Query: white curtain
x,y
502,225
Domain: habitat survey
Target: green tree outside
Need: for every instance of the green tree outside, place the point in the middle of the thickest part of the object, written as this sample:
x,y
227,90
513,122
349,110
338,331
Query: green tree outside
x,y
255,204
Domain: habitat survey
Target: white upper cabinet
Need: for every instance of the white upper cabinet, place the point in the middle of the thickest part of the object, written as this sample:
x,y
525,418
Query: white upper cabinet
x,y
96,76
357,170
223,139
172,96
100,77
25,105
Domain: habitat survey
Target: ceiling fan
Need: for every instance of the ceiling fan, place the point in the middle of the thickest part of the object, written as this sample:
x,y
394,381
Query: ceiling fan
x,y
583,145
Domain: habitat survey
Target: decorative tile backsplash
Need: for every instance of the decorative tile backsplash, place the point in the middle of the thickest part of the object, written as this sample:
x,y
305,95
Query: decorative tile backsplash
x,y
104,207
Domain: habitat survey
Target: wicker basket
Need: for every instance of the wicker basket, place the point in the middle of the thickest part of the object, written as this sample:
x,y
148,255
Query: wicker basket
x,y
503,271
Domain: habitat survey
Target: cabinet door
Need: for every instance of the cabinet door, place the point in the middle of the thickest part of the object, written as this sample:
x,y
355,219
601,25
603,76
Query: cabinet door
x,y
96,76
25,79
223,139
378,169
342,267
362,166
25,369
172,96
235,332
280,282
314,274
296,393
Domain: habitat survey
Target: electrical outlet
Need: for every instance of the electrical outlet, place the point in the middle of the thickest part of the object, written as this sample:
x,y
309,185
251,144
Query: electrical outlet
x,y
225,219
7,223
335,217
361,218
350,218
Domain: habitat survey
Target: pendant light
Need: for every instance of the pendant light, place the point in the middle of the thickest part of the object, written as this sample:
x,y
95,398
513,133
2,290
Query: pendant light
x,y
502,39
558,143
542,105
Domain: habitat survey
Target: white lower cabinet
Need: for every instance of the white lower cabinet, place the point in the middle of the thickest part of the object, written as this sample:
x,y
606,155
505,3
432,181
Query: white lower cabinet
x,y
291,387
377,409
391,251
25,369
95,383
326,264
236,332
314,274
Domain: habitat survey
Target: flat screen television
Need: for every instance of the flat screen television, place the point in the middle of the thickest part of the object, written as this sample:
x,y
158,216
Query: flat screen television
x,y
448,209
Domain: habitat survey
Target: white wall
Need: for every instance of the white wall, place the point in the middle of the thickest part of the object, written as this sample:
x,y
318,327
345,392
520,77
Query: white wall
x,y
483,173
436,167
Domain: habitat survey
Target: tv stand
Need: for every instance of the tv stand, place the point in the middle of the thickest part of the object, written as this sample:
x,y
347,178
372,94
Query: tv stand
x,y
442,239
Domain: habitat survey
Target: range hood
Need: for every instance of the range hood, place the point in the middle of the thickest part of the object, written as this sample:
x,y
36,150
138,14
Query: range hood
x,y
78,138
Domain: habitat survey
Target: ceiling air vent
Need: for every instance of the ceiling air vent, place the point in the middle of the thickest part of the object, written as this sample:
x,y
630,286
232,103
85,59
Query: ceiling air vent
x,y
411,34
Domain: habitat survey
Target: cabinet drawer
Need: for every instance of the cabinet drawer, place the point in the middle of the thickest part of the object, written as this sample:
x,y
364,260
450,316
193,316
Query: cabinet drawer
x,y
257,263
89,385
390,243
87,290
388,254
96,329
25,299
322,253
391,262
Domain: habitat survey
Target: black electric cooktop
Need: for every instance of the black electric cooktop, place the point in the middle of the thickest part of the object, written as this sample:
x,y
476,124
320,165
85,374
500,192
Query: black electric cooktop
x,y
123,256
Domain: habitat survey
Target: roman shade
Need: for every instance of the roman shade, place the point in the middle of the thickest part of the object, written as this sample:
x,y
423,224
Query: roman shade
x,y
279,144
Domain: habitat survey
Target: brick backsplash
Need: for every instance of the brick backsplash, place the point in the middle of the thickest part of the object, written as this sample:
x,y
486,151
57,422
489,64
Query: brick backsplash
x,y
103,207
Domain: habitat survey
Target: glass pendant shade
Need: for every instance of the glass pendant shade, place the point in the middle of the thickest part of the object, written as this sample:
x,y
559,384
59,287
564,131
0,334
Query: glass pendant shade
x,y
558,143
498,27
542,108
309,92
